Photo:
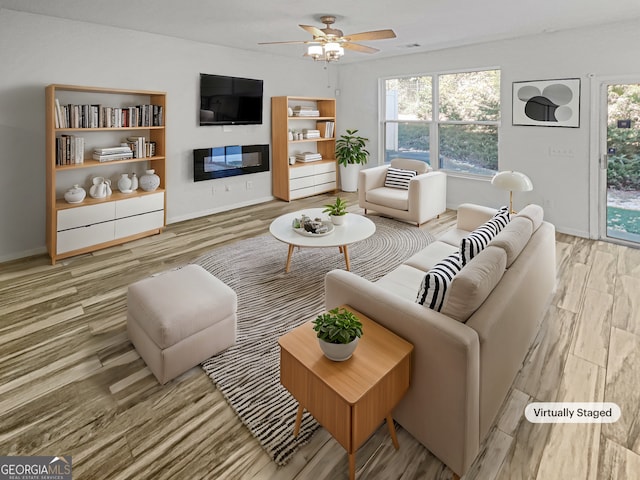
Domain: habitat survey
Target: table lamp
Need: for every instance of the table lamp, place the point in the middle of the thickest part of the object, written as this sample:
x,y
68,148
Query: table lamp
x,y
512,181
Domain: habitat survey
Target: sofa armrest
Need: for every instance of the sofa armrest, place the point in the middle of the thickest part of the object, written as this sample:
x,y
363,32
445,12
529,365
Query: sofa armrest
x,y
471,216
441,408
428,195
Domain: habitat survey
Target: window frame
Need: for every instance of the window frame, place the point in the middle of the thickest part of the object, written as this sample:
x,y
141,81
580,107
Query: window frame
x,y
435,122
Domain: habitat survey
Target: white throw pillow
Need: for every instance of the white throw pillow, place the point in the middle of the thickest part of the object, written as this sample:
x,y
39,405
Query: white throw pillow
x,y
398,178
433,289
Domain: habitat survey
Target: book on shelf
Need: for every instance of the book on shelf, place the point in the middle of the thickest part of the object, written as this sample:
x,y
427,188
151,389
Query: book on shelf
x,y
99,116
305,111
108,154
109,157
108,150
308,157
326,129
309,133
69,150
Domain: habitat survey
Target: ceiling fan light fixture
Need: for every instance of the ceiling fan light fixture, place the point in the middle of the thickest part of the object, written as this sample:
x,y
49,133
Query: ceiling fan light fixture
x,y
333,51
315,52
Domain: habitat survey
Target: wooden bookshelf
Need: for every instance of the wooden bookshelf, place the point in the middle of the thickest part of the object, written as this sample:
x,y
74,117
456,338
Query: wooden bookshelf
x,y
302,179
72,229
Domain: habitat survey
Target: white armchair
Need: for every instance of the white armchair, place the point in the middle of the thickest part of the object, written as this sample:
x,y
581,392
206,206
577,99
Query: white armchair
x,y
425,198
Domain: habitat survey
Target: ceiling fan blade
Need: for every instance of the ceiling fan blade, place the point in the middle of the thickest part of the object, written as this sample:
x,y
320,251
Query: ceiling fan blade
x,y
359,48
373,35
315,31
286,43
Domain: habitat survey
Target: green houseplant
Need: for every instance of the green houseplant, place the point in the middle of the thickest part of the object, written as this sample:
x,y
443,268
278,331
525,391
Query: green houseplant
x,y
336,211
350,153
338,331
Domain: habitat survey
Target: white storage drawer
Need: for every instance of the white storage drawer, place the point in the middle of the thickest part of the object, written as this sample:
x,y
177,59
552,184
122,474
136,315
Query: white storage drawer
x,y
303,192
88,215
302,182
138,224
303,171
325,178
324,187
325,167
138,205
86,236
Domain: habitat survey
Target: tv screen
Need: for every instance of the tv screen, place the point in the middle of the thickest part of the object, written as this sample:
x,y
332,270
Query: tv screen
x,y
230,100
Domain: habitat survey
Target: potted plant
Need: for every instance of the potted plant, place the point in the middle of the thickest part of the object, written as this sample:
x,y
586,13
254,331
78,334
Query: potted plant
x,y
338,333
336,211
350,153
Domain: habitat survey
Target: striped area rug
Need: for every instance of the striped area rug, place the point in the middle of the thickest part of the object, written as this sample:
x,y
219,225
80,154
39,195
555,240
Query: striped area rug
x,y
270,303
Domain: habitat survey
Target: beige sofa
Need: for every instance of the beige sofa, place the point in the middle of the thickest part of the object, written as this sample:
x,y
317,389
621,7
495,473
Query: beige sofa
x,y
462,368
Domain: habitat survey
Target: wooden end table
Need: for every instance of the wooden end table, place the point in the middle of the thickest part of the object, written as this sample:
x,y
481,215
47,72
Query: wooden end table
x,y
349,399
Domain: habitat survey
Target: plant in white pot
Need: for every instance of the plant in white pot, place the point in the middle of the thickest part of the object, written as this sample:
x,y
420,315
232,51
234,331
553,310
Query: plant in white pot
x,y
337,211
350,153
338,333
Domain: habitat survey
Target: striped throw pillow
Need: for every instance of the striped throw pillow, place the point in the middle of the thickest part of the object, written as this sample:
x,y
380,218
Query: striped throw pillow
x,y
502,218
398,178
475,242
433,289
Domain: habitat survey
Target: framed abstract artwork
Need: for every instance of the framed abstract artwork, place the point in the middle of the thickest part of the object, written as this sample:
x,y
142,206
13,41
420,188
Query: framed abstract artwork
x,y
547,103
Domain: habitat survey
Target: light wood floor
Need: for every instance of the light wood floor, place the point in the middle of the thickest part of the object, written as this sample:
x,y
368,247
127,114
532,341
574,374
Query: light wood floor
x,y
71,383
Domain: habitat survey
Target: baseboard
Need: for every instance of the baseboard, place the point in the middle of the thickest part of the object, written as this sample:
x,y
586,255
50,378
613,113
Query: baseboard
x,y
224,208
22,254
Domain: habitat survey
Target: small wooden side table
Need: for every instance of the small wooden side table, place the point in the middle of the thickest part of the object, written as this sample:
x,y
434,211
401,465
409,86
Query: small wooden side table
x,y
349,399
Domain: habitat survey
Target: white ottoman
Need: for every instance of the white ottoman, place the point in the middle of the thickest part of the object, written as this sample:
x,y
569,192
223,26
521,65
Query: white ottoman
x,y
178,319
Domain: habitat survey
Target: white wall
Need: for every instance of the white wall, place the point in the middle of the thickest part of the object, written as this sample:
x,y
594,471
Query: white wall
x,y
561,184
37,50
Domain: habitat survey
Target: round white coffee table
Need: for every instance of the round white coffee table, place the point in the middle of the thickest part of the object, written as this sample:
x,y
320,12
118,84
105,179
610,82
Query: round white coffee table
x,y
354,229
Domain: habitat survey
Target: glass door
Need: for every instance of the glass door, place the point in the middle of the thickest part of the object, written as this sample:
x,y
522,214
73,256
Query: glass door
x,y
622,162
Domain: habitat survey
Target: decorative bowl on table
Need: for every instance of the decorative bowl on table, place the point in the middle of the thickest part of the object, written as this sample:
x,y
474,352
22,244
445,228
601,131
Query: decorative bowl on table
x,y
309,227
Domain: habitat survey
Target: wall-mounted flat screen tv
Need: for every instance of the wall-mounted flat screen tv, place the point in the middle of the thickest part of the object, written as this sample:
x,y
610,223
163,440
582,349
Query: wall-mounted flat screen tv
x,y
230,100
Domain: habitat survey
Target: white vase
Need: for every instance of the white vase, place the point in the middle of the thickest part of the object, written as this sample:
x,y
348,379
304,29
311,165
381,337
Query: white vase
x,y
124,183
134,181
75,194
149,181
349,177
338,352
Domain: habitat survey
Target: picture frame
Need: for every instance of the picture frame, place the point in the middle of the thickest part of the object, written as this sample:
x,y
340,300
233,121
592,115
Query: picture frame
x,y
547,103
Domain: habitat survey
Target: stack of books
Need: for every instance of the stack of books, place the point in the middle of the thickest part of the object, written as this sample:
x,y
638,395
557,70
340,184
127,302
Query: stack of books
x,y
308,157
109,154
308,133
305,111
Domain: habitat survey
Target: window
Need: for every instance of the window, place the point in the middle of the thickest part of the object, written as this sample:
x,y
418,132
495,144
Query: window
x,y
408,116
454,116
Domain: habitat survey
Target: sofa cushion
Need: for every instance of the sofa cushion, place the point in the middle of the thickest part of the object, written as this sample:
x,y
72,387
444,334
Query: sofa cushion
x,y
427,258
434,286
470,288
403,281
389,197
398,178
513,238
534,213
475,242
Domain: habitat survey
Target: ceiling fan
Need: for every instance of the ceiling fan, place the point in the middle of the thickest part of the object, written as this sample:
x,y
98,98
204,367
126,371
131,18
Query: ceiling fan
x,y
329,43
